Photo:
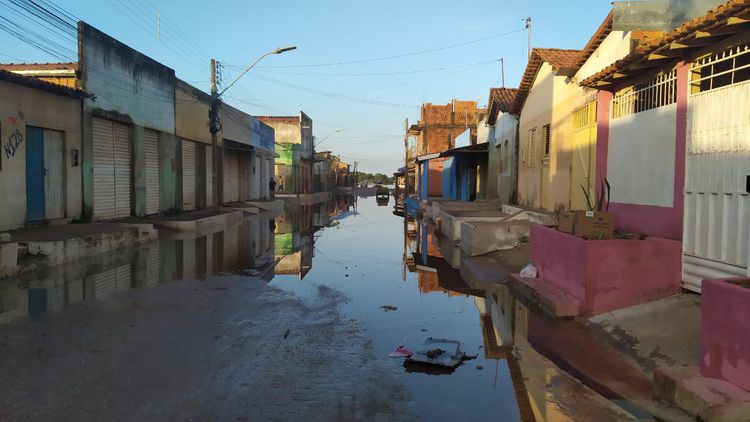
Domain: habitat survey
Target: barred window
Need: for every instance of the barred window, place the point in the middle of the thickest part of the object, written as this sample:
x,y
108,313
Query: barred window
x,y
717,70
545,135
656,92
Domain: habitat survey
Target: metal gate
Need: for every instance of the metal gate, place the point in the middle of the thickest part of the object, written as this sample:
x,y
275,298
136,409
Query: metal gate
x,y
584,156
111,169
231,177
188,259
152,172
114,280
188,175
717,208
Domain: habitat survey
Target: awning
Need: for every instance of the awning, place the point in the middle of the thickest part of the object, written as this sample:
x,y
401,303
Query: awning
x,y
482,148
427,157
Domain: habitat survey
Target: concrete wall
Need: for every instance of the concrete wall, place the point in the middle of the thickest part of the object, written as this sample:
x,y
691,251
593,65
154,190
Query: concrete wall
x,y
126,81
191,113
615,46
20,107
235,124
640,163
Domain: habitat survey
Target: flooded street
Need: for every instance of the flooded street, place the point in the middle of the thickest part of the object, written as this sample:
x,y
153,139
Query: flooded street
x,y
289,317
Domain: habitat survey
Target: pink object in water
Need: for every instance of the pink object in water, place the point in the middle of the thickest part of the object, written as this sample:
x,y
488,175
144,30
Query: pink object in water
x,y
401,352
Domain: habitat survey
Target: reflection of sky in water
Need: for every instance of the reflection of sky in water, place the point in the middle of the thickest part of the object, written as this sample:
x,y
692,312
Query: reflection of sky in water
x,y
368,248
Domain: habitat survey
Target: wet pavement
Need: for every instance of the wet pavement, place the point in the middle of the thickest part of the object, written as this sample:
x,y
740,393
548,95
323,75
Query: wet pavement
x,y
293,317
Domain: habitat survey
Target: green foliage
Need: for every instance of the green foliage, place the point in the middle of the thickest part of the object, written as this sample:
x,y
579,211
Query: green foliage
x,y
374,179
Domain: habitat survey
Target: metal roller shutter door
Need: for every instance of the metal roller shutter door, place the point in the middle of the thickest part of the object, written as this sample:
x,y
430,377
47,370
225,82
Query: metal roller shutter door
x,y
152,172
231,177
209,177
111,169
188,175
188,259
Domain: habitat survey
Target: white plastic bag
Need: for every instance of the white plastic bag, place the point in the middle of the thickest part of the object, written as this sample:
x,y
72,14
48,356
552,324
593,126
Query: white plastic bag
x,y
529,271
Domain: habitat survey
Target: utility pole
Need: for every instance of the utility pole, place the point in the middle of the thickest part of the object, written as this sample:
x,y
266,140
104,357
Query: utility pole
x,y
502,71
406,160
528,33
213,127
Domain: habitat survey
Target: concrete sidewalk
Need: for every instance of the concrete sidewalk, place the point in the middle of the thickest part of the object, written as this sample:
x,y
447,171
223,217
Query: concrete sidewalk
x,y
32,249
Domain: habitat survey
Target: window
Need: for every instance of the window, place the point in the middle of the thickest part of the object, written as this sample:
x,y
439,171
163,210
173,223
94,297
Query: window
x,y
545,135
713,71
659,91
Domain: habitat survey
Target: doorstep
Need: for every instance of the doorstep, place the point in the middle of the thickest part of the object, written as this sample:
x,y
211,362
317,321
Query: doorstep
x,y
549,298
698,395
199,221
495,267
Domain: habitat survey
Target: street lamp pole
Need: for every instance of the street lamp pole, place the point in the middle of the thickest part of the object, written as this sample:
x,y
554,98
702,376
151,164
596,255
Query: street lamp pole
x,y
327,136
213,115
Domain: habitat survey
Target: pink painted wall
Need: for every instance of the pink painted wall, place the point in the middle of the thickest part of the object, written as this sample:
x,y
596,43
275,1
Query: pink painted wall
x,y
607,274
663,222
435,183
725,343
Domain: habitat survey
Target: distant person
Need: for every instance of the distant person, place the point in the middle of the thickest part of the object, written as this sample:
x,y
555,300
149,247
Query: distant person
x,y
272,186
281,186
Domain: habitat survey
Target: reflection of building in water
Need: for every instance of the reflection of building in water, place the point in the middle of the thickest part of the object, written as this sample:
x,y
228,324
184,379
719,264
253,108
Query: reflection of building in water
x,y
294,241
186,255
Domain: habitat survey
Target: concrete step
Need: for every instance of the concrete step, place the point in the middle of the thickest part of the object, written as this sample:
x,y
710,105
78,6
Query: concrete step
x,y
548,297
698,395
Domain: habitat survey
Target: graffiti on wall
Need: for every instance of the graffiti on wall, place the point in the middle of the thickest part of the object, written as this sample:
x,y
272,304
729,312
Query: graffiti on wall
x,y
10,146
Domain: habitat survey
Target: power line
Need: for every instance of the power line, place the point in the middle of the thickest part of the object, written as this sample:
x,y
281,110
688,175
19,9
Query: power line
x,y
397,56
403,72
332,94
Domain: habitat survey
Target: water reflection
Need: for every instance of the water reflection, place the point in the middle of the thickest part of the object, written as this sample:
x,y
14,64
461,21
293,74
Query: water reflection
x,y
260,246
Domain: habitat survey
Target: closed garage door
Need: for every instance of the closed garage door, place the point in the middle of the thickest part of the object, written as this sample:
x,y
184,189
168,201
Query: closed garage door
x,y
231,177
209,177
152,172
111,169
188,175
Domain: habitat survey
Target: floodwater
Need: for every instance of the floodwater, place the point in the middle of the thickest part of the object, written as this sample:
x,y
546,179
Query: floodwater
x,y
288,317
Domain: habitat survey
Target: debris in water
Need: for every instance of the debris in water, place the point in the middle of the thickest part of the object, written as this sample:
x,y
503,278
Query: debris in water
x,y
389,308
286,334
401,352
480,367
441,352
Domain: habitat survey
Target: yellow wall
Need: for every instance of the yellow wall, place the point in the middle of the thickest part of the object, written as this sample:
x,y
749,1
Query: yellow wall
x,y
191,117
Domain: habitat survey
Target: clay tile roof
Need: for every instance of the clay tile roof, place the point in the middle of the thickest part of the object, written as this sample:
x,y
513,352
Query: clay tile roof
x,y
596,40
562,62
558,58
501,99
715,18
38,66
40,84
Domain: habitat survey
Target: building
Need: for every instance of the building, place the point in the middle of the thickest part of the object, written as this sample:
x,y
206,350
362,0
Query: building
x,y
502,136
294,145
673,140
40,154
436,131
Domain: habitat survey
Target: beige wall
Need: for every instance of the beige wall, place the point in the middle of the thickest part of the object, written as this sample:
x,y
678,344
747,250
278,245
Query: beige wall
x,y
615,46
21,106
191,117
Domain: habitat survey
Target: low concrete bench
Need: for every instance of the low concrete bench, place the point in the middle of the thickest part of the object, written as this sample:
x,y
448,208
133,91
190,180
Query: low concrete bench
x,y
549,298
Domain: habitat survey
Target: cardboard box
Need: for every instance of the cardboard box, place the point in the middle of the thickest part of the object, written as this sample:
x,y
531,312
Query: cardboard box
x,y
593,224
566,221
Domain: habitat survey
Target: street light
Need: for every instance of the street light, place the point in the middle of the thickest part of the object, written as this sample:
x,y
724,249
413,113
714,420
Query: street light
x,y
213,113
327,136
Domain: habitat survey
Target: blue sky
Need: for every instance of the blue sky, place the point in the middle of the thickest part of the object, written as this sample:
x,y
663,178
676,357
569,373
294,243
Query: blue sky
x,y
369,99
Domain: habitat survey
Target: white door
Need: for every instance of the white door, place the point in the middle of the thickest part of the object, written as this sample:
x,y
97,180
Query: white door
x,y
717,207
209,176
231,177
152,172
54,174
111,169
188,175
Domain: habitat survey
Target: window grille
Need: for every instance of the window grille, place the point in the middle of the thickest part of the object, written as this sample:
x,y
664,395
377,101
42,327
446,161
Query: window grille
x,y
545,134
717,70
581,117
531,153
656,92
